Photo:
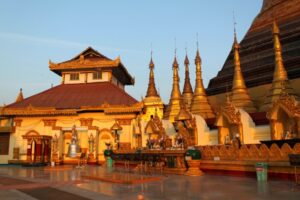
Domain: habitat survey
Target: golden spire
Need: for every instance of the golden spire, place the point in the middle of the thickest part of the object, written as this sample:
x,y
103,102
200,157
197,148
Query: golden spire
x,y
280,76
20,96
187,92
174,103
240,95
151,91
200,104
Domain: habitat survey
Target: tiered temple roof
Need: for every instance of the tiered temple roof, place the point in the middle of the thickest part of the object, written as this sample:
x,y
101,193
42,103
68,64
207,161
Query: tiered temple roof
x,y
91,59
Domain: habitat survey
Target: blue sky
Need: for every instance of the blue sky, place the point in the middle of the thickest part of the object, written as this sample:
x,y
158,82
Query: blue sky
x,y
33,31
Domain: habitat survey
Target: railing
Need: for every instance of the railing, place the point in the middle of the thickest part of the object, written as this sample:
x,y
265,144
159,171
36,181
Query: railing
x,y
249,152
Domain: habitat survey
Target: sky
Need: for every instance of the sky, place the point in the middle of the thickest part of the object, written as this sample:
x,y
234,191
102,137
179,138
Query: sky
x,y
34,31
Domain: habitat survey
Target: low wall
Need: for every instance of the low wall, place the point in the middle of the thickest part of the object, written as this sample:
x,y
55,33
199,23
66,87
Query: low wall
x,y
231,160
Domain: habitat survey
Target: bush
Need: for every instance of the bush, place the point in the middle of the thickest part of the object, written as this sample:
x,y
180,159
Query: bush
x,y
194,153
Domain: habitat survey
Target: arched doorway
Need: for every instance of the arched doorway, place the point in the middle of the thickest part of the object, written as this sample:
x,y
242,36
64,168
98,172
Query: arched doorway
x,y
38,147
229,124
105,137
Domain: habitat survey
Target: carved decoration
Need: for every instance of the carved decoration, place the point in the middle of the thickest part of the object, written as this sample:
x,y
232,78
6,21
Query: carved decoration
x,y
49,122
86,122
124,122
264,152
18,122
275,153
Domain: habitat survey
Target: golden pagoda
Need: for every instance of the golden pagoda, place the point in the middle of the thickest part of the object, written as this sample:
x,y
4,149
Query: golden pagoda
x,y
174,103
200,104
187,92
280,77
20,96
240,95
153,104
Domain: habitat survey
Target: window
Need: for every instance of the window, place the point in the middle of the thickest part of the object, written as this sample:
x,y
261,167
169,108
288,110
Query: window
x,y
74,77
4,143
97,75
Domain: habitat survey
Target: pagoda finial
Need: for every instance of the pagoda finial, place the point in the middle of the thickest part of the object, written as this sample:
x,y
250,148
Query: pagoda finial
x,y
20,96
198,58
200,104
234,27
151,91
280,73
240,95
174,103
187,92
280,76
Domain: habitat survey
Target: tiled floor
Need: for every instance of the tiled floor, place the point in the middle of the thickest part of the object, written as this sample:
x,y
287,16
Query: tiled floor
x,y
38,183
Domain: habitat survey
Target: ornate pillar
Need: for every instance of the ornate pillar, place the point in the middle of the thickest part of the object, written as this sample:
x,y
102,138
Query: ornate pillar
x,y
38,150
46,150
29,150
298,127
241,133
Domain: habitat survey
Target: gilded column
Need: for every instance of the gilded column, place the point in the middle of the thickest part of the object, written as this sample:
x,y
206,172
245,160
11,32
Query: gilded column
x,y
280,84
174,103
187,92
240,95
200,104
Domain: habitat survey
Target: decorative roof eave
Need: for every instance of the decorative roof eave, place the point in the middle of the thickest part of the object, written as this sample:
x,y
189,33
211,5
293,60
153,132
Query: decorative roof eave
x,y
36,112
85,63
124,109
286,102
232,114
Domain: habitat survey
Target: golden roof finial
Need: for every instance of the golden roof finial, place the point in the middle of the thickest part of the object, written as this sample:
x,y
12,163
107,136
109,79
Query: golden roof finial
x,y
151,91
20,96
240,95
200,104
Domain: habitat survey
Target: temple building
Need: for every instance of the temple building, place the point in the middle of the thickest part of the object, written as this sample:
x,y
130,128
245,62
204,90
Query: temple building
x,y
91,101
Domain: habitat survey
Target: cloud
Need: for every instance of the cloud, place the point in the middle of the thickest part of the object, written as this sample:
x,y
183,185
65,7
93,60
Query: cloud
x,y
59,43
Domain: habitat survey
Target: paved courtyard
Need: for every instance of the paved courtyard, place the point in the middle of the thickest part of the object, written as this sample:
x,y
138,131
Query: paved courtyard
x,y
94,182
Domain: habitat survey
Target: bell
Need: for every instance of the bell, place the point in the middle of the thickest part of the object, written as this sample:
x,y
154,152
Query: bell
x,y
73,150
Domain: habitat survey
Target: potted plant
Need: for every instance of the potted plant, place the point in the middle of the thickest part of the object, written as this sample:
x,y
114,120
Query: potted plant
x,y
193,159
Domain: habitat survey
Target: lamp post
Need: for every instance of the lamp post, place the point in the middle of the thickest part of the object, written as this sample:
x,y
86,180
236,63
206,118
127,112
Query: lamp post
x,y
116,130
